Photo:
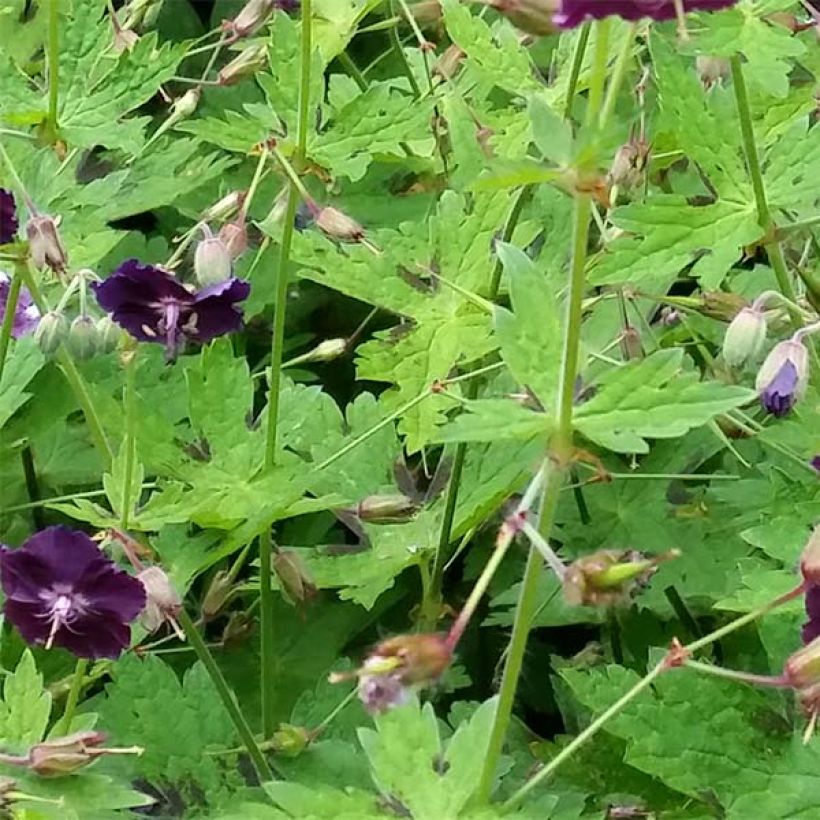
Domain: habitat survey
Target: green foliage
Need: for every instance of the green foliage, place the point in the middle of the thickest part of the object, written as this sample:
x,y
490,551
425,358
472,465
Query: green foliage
x,y
26,705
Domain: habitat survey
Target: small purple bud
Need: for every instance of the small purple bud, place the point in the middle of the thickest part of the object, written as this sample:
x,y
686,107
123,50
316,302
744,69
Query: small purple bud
x,y
744,337
45,245
212,260
8,217
783,376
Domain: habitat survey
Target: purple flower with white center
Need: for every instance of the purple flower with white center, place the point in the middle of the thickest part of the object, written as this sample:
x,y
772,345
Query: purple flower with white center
x,y
61,590
572,13
26,315
783,376
8,217
154,306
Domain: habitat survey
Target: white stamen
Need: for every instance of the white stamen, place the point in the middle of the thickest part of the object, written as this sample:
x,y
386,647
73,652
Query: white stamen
x,y
149,331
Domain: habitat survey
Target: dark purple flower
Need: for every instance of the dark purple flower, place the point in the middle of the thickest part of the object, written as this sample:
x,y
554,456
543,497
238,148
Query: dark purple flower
x,y
26,315
811,629
574,12
783,375
815,463
61,590
154,306
779,395
8,217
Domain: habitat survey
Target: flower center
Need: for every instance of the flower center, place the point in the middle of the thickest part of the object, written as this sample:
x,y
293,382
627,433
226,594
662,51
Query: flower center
x,y
63,607
168,326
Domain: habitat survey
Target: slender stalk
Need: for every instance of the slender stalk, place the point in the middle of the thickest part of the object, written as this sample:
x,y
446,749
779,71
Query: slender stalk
x,y
8,320
577,65
53,48
352,70
130,441
226,696
764,216
64,726
32,486
618,73
778,681
601,58
277,350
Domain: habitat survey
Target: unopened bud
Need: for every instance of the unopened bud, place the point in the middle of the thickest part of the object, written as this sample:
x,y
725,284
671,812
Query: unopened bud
x,y
109,334
289,740
237,630
608,577
234,235
744,337
45,246
718,304
225,208
52,331
82,338
219,590
712,70
783,376
629,164
339,225
250,18
631,343
246,63
385,509
427,12
421,658
810,558
531,16
448,64
162,602
296,583
123,40
212,260
803,666
186,105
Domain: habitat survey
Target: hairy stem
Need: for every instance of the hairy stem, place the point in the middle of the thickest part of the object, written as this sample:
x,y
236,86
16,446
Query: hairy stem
x,y
64,726
53,54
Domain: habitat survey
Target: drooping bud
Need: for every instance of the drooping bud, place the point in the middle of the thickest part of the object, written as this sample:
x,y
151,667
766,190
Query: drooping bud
x,y
719,304
810,558
219,591
338,225
294,579
802,669
289,740
237,630
744,337
224,208
212,260
246,63
51,332
184,106
162,602
45,246
109,334
629,165
531,16
82,338
712,70
234,235
385,509
609,577
251,17
783,376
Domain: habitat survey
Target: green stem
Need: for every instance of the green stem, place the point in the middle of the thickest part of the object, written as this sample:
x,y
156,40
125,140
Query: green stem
x,y
764,216
64,726
352,69
577,65
8,320
130,440
398,50
599,66
53,47
226,696
617,77
562,443
277,350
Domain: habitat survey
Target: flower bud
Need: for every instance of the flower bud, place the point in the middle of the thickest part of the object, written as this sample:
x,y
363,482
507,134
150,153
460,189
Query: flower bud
x,y
629,164
421,658
212,260
608,577
237,630
252,15
109,334
162,603
631,344
744,337
123,40
810,558
51,332
246,63
82,338
803,666
219,590
45,246
296,583
712,70
717,304
289,740
225,208
339,225
385,509
234,235
531,16
184,106
783,376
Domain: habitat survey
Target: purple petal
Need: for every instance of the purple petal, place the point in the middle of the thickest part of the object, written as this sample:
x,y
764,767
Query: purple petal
x,y
95,637
26,315
215,313
779,396
575,12
815,463
8,217
30,619
113,592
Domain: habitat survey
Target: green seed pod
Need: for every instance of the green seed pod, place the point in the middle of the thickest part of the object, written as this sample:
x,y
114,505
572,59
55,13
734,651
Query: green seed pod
x,y
109,334
289,740
51,332
82,338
